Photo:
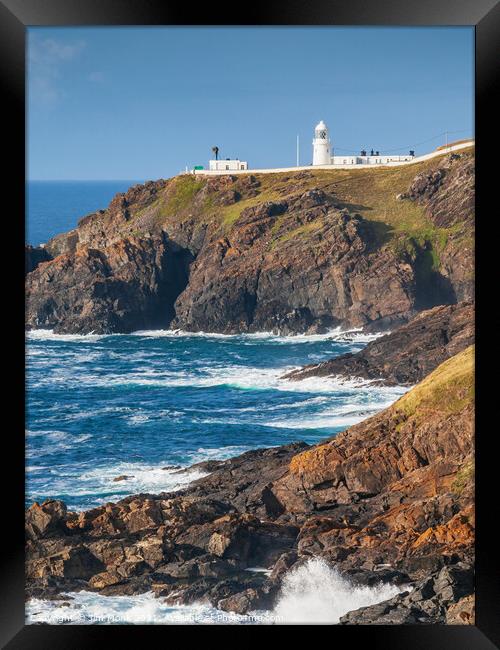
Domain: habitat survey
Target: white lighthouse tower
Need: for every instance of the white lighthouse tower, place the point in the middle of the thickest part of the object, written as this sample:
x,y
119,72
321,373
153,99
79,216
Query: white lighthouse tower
x,y
321,145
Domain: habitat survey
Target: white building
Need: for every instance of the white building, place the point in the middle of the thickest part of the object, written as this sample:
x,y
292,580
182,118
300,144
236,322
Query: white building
x,y
323,152
321,145
228,165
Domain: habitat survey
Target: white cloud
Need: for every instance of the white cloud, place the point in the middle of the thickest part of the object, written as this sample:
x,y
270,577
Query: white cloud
x,y
46,57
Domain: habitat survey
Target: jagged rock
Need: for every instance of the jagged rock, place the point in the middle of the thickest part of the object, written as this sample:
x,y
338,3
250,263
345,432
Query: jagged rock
x,y
46,518
123,287
406,355
240,284
75,562
250,599
462,613
434,600
105,579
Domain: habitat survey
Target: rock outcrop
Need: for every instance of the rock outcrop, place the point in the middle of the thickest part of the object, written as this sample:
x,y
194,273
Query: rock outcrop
x,y
444,597
390,499
296,252
33,256
406,355
128,285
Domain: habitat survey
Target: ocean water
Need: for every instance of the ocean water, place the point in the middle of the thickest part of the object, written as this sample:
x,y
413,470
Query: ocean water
x,y
56,206
99,407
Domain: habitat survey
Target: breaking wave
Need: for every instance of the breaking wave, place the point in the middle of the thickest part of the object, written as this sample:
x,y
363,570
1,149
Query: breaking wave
x,y
315,592
337,334
239,377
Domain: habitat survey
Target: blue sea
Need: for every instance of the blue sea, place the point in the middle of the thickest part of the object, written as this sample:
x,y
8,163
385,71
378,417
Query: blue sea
x,y
144,404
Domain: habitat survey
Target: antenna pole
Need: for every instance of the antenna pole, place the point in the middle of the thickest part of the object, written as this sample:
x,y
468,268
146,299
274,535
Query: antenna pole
x,y
297,151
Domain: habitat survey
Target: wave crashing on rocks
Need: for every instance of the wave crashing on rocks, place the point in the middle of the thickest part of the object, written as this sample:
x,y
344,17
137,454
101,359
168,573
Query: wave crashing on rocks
x,y
316,592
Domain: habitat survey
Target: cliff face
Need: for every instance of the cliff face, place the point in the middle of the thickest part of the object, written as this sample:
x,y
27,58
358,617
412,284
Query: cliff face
x,y
408,354
390,499
291,252
127,285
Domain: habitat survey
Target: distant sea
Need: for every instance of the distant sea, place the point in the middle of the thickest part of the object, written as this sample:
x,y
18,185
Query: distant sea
x,y
103,406
56,206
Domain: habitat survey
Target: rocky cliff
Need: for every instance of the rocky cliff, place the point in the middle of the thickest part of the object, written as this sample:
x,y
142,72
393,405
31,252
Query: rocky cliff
x,y
406,355
33,255
390,499
294,252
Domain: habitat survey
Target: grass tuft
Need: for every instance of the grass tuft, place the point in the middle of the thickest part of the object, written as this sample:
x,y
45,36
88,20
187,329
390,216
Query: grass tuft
x,y
448,389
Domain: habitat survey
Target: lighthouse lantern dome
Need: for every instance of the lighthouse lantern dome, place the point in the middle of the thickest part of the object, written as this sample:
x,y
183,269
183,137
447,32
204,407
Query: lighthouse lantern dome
x,y
321,131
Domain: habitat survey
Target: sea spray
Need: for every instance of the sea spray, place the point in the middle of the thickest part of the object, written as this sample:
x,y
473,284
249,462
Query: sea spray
x,y
88,608
315,592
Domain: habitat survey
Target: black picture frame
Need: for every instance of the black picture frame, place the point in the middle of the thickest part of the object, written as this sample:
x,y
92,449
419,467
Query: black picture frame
x,y
15,16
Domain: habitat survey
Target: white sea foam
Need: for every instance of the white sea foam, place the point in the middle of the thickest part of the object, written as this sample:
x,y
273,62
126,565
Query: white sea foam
x,y
339,416
86,608
217,453
98,484
143,477
55,441
233,376
49,335
337,334
316,593
313,593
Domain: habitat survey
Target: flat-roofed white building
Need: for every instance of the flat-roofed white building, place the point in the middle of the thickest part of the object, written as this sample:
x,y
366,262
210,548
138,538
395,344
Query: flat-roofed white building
x,y
376,159
323,152
228,165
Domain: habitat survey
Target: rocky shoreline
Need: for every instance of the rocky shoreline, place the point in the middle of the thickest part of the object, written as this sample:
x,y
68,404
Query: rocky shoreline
x,y
406,355
388,500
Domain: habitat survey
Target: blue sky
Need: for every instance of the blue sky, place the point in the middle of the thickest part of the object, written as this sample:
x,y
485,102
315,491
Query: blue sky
x,y
142,103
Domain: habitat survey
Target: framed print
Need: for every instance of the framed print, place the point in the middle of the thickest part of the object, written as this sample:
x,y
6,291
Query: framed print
x,y
255,380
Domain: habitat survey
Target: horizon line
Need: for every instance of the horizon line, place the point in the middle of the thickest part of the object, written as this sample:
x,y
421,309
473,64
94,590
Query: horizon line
x,y
85,180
